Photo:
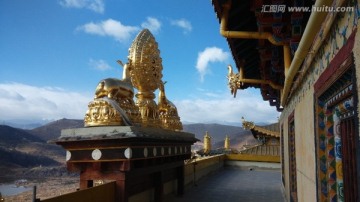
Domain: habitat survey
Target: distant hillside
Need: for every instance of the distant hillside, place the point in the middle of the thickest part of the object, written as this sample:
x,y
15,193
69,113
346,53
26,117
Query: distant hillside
x,y
216,131
29,147
52,130
18,148
237,141
238,136
11,137
24,123
13,158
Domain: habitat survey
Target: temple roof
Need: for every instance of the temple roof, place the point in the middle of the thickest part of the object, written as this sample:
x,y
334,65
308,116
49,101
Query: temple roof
x,y
271,130
266,135
260,58
268,130
263,150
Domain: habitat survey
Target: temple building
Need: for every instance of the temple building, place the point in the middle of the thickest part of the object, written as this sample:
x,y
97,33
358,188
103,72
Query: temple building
x,y
264,154
306,65
129,150
268,149
303,56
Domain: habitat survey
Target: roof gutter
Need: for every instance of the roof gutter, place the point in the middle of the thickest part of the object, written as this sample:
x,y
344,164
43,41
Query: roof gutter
x,y
317,43
243,34
291,66
312,28
241,79
253,35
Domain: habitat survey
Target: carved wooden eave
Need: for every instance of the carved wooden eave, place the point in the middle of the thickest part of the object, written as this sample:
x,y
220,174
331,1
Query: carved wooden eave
x,y
269,130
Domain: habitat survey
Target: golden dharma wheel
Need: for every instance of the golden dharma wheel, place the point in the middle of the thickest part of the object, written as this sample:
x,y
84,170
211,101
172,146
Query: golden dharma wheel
x,y
145,62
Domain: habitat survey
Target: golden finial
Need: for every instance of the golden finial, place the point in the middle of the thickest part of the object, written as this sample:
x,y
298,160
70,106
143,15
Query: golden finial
x,y
146,73
207,143
167,111
227,142
247,125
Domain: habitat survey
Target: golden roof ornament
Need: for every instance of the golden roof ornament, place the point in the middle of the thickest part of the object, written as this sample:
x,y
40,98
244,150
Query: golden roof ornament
x,y
247,125
207,143
227,143
113,103
146,73
167,111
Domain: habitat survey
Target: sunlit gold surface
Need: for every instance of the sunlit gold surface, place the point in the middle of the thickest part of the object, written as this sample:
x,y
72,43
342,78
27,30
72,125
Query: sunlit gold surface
x,y
236,81
247,125
101,112
113,103
145,72
207,143
168,113
227,143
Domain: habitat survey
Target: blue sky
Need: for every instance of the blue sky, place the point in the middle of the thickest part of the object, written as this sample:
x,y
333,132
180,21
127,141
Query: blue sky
x,y
53,54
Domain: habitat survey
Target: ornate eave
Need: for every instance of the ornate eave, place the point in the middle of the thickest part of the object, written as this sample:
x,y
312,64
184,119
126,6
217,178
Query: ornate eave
x,y
260,59
262,131
262,150
271,130
265,151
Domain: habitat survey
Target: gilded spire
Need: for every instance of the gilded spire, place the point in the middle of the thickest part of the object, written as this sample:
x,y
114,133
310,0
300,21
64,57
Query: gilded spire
x,y
207,143
227,143
167,111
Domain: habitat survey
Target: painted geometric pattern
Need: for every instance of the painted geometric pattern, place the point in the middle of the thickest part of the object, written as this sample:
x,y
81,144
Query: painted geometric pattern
x,y
322,151
329,149
343,26
330,157
338,158
331,162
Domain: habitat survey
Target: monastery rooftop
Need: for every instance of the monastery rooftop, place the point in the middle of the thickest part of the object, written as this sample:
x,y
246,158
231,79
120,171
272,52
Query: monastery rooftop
x,y
234,184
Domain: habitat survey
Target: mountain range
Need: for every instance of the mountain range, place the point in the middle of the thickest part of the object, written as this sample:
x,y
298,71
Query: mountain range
x,y
20,148
238,136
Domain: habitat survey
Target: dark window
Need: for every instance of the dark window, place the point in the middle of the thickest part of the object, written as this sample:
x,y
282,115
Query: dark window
x,y
282,155
292,159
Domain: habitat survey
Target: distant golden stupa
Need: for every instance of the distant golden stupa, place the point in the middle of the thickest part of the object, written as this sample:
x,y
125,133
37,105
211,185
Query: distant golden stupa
x,y
207,143
227,143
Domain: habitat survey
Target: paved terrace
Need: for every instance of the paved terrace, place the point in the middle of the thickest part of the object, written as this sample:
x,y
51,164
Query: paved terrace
x,y
233,184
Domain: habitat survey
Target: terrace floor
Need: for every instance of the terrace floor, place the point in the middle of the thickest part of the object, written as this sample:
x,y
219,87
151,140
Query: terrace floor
x,y
233,184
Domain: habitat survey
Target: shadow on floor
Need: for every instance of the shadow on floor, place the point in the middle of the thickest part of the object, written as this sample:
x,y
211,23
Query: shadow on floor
x,y
233,184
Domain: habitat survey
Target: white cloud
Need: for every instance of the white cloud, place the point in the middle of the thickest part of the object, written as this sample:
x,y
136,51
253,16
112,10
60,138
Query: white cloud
x,y
99,65
110,27
21,101
182,23
152,24
226,108
26,102
94,5
210,54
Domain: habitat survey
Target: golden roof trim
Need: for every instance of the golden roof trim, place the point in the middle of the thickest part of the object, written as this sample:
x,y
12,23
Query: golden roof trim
x,y
249,125
266,132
